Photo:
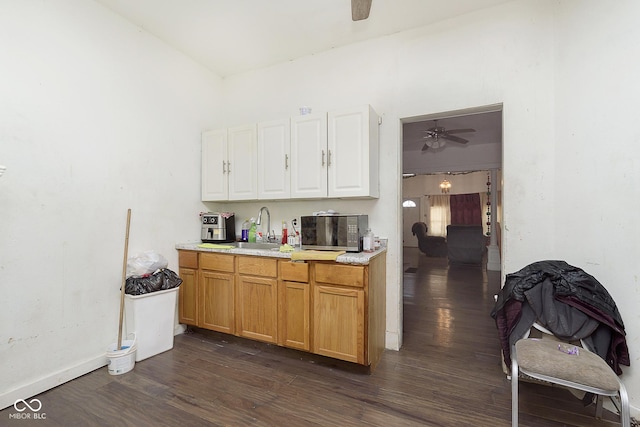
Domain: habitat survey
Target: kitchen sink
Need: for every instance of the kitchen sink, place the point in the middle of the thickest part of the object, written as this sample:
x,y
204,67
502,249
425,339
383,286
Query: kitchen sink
x,y
257,245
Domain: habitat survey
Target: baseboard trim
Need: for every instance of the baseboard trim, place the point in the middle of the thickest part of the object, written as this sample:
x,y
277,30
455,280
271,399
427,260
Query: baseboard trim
x,y
29,390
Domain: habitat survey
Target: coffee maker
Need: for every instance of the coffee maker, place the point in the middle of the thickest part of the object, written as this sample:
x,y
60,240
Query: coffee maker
x,y
218,227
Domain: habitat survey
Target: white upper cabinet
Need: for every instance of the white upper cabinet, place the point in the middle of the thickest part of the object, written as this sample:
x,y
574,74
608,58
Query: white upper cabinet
x,y
274,160
242,166
306,157
215,180
353,153
309,156
229,164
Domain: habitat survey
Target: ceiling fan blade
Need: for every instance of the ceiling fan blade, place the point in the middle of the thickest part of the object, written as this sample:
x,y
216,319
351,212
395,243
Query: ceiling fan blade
x,y
360,9
460,130
454,138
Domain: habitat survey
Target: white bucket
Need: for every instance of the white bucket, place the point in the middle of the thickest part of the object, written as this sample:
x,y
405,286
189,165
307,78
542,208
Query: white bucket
x,y
121,361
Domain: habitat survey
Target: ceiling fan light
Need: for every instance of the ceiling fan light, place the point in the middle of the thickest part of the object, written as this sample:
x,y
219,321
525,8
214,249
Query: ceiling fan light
x,y
435,142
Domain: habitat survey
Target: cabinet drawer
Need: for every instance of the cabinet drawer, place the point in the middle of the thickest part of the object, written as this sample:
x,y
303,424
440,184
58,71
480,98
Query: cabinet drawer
x,y
294,271
258,266
209,261
188,259
338,274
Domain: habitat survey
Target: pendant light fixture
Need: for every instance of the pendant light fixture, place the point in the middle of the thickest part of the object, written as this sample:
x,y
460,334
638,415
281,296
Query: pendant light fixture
x,y
445,186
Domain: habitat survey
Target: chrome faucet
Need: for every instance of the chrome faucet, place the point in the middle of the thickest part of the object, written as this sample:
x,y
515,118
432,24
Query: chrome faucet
x,y
270,237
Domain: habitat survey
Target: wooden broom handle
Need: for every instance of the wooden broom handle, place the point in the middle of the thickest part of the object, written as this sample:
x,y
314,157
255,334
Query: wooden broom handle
x,y
124,279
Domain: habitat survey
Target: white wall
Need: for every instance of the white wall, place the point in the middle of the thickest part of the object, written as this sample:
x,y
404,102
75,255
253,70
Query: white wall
x,y
96,116
512,54
597,154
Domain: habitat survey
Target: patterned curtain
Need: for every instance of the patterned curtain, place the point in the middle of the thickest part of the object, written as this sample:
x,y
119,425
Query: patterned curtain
x,y
466,209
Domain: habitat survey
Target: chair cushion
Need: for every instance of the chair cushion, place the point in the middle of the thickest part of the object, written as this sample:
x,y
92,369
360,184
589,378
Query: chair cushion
x,y
543,356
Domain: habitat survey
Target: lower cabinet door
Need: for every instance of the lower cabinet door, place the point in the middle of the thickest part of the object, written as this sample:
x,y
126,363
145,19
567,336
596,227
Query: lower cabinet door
x,y
188,297
338,329
293,326
257,308
216,302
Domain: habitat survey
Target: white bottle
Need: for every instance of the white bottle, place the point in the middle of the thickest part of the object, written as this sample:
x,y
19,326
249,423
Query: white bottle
x,y
367,241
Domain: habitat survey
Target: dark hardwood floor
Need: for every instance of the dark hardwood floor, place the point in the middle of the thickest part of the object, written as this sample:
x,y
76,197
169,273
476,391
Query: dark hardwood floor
x,y
448,373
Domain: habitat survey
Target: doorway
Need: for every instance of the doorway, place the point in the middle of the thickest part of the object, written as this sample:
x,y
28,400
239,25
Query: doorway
x,y
476,145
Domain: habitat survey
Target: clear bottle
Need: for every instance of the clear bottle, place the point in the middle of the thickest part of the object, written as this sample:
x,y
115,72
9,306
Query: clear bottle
x,y
367,241
376,243
246,225
252,231
291,236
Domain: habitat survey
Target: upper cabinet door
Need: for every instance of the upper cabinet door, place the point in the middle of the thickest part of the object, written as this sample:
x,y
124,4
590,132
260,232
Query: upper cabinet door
x,y
242,164
309,156
353,153
274,159
215,183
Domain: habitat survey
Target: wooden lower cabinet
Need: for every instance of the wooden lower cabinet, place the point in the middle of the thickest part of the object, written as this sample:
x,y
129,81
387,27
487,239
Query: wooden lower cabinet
x,y
187,296
257,298
339,323
339,311
327,308
188,290
257,308
217,297
294,299
217,293
349,310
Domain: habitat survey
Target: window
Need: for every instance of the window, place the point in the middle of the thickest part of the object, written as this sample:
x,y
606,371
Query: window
x,y
439,215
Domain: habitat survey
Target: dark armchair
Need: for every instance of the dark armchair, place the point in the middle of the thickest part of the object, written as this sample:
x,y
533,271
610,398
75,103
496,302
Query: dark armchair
x,y
466,244
432,246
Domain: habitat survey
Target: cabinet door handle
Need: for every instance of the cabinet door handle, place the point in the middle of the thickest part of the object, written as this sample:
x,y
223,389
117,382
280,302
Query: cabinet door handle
x,y
322,157
228,167
224,169
328,158
286,161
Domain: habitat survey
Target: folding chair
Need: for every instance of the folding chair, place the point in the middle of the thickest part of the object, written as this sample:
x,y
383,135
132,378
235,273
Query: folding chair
x,y
567,365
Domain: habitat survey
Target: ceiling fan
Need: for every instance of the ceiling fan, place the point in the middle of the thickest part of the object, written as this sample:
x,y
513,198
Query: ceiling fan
x,y
437,136
360,9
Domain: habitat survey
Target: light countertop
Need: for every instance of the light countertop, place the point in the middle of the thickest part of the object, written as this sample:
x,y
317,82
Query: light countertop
x,y
362,258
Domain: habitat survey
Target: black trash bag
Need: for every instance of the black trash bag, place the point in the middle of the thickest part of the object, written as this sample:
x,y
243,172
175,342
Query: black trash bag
x,y
161,280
